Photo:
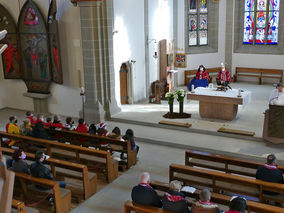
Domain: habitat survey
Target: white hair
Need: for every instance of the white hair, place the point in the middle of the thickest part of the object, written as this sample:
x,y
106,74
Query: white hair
x,y
145,177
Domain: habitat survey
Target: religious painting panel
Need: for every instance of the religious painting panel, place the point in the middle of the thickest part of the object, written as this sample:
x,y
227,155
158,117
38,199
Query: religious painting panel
x,y
249,5
192,38
192,22
248,27
203,6
261,5
192,6
260,36
203,37
180,60
34,48
54,46
10,57
203,22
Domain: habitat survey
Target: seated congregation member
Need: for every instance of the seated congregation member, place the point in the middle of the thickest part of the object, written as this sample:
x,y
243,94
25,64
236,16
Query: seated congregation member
x,y
12,128
129,135
174,200
115,133
25,128
200,80
204,201
237,205
224,76
144,194
93,129
69,124
57,123
277,96
48,122
102,131
19,164
270,173
38,169
82,127
39,118
29,115
39,131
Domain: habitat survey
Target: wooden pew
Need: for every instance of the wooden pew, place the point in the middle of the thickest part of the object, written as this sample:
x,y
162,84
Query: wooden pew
x,y
19,207
94,141
258,73
109,166
130,206
190,74
227,183
62,197
221,199
223,163
89,184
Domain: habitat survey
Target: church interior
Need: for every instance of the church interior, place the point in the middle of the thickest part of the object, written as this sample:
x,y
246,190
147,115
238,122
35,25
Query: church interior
x,y
136,65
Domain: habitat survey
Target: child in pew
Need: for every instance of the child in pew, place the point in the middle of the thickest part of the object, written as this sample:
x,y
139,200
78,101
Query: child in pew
x,y
237,205
102,131
82,127
69,124
25,128
29,115
129,135
38,169
48,122
12,128
93,129
18,163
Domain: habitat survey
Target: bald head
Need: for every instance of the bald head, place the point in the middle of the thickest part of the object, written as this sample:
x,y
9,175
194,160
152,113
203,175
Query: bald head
x,y
145,177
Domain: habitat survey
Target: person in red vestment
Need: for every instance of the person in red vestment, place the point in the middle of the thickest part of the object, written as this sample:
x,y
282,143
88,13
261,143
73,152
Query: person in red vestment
x,y
29,115
82,127
224,76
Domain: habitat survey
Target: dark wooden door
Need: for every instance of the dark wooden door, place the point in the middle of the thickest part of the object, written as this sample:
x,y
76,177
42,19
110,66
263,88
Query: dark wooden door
x,y
123,84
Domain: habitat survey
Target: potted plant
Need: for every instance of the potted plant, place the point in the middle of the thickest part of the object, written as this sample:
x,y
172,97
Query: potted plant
x,y
180,94
171,97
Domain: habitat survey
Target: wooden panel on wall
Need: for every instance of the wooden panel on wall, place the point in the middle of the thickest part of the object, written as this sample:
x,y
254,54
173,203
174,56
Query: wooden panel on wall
x,y
123,84
163,59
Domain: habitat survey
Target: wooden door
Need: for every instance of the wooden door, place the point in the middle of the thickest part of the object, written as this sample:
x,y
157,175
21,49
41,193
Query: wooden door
x,y
123,84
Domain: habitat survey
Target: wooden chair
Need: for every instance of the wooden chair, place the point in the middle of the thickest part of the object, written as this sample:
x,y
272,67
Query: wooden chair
x,y
89,183
130,206
91,140
98,160
227,164
227,183
62,197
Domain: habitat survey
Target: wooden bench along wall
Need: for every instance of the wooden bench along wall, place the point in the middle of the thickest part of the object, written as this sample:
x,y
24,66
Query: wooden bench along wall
x,y
95,141
130,206
89,184
223,163
62,202
190,74
222,199
258,73
109,166
227,183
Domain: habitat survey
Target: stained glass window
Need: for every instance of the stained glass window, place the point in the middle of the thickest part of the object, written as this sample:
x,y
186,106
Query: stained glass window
x,y
197,18
261,22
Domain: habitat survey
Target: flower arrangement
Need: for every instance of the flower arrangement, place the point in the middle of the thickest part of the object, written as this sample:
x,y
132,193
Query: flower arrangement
x,y
171,97
180,94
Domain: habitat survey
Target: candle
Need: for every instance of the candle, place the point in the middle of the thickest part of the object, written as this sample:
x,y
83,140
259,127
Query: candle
x,y
239,92
192,88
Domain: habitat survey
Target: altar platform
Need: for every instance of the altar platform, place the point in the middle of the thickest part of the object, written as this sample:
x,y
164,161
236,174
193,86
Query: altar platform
x,y
249,118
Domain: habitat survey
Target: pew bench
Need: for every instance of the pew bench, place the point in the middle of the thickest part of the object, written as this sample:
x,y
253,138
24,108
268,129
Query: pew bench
x,y
62,197
130,206
89,180
19,207
221,199
258,73
91,140
223,163
97,160
190,74
227,183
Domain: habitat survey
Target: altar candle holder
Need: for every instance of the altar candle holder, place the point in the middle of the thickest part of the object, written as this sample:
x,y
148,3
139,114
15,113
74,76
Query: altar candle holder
x,y
192,89
239,93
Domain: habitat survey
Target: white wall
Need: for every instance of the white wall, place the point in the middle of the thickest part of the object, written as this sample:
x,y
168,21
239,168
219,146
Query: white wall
x,y
65,98
208,59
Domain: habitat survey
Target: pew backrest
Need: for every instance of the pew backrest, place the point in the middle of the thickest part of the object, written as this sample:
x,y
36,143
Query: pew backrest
x,y
130,206
190,74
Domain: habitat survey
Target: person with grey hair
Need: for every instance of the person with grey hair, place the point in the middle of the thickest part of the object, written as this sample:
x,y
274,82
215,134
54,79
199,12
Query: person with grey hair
x,y
204,202
270,173
144,194
174,200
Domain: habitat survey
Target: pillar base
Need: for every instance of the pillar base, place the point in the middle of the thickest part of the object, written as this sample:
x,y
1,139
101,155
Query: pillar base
x,y
40,102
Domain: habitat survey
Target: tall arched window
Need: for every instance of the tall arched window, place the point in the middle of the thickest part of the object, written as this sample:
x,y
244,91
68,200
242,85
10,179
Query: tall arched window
x,y
261,22
198,27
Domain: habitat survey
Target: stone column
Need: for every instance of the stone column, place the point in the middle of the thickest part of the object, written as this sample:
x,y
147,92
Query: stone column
x,y
97,44
229,34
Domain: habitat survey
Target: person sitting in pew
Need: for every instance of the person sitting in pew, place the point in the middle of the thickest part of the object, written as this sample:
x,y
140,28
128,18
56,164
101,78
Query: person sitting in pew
x,y
19,164
237,205
270,173
30,116
39,118
69,124
57,123
39,170
48,122
204,201
144,194
102,131
129,135
174,200
82,127
25,128
39,131
12,128
116,134
93,129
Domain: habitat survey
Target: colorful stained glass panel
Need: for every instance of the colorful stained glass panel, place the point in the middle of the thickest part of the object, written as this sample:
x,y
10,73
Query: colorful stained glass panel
x,y
273,19
192,23
274,4
261,5
272,36
203,22
260,19
248,36
203,37
248,20
249,5
192,38
192,6
260,36
203,6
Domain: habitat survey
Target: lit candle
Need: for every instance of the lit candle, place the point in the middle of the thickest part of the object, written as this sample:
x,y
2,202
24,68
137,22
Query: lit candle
x,y
239,92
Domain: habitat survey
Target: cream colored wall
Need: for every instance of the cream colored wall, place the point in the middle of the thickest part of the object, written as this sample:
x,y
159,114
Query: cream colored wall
x,y
65,98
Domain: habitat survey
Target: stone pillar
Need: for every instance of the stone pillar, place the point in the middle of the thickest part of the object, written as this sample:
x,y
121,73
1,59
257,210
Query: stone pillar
x,y
40,102
229,34
97,43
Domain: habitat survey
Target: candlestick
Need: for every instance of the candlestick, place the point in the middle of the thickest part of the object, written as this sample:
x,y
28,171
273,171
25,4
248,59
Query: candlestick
x,y
239,92
192,88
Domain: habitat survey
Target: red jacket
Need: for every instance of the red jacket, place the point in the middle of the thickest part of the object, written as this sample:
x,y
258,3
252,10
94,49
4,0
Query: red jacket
x,y
38,120
57,125
82,128
204,75
224,76
31,118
